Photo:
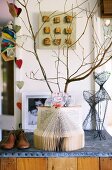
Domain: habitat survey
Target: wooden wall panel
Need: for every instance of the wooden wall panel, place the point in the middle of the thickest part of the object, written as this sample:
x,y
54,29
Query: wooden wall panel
x,y
8,164
106,8
105,163
62,163
88,164
31,164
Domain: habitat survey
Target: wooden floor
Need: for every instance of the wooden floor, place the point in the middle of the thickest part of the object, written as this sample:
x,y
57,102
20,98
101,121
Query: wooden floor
x,y
56,163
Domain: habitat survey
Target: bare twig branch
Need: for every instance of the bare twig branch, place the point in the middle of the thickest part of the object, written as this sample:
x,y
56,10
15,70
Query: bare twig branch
x,y
87,62
21,3
92,68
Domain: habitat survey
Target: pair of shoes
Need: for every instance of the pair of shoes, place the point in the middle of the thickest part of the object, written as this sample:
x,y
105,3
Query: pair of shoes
x,y
15,139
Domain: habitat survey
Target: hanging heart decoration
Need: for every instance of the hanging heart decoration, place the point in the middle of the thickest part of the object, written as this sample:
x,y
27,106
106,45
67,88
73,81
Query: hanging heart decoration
x,y
14,10
19,105
20,84
16,28
19,63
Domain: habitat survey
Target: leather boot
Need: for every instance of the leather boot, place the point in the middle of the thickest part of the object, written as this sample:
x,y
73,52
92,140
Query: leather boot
x,y
22,142
9,143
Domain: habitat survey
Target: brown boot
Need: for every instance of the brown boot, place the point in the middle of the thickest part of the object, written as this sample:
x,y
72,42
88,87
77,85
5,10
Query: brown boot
x,y
22,142
9,143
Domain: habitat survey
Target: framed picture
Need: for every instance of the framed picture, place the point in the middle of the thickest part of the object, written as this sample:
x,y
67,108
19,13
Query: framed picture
x,y
57,31
30,103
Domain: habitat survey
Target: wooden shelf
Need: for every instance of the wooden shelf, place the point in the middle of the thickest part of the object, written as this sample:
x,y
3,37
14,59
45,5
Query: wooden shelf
x,y
56,163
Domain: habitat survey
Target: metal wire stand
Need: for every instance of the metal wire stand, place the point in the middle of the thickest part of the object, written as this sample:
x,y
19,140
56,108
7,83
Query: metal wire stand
x,y
98,102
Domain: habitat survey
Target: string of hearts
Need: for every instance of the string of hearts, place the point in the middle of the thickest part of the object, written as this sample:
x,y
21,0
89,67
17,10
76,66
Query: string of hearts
x,y
19,84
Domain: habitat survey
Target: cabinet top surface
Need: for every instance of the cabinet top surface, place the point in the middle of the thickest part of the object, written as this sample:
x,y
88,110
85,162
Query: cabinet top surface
x,y
94,147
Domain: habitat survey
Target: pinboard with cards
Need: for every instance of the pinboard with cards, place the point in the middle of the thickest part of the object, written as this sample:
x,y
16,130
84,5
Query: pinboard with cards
x,y
57,30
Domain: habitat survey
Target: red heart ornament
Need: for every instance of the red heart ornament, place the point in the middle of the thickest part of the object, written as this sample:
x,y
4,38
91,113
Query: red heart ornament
x,y
18,10
19,63
19,105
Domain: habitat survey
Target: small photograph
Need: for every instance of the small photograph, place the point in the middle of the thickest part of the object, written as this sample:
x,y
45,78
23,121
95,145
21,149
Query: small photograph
x,y
33,104
45,18
57,20
30,103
